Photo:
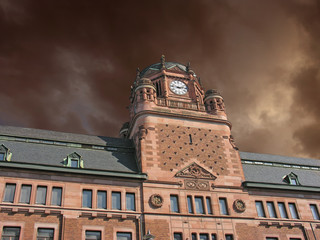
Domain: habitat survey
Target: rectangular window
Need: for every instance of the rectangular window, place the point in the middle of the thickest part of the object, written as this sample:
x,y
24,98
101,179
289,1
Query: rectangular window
x,y
314,211
223,206
9,192
208,201
214,236
190,206
271,238
229,237
102,199
282,210
174,203
199,205
25,194
271,210
294,238
293,181
260,210
116,200
10,233
74,163
194,236
1,156
177,236
93,235
293,211
130,201
56,196
41,197
45,234
124,236
204,236
87,198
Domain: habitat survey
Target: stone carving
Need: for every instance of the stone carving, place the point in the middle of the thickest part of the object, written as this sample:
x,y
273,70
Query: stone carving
x,y
233,143
156,200
239,205
195,184
195,171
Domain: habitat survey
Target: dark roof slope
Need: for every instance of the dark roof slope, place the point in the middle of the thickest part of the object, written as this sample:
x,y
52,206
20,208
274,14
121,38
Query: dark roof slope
x,y
51,148
267,168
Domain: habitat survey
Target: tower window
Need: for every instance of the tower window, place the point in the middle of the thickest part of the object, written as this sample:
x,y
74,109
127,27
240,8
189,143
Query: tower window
x,y
73,160
5,154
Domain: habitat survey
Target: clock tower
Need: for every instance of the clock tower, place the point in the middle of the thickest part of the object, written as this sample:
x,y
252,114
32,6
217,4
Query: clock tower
x,y
179,130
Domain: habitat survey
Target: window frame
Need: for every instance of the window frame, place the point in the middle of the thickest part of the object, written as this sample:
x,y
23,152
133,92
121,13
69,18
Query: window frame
x,y
178,233
202,210
14,193
259,204
106,199
134,201
54,226
273,209
295,210
61,196
190,204
45,238
116,193
5,225
285,210
224,207
21,193
175,198
209,205
46,195
89,201
227,235
316,211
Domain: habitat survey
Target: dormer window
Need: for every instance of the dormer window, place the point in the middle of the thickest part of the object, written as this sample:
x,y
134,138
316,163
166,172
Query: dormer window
x,y
291,179
5,154
73,160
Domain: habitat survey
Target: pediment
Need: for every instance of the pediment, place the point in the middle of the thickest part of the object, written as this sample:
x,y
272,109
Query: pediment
x,y
195,171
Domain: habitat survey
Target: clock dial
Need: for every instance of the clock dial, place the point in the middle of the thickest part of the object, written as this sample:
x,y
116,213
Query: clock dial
x,y
178,87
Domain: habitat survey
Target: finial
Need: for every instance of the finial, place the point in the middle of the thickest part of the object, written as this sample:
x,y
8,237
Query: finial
x,y
188,67
163,60
138,72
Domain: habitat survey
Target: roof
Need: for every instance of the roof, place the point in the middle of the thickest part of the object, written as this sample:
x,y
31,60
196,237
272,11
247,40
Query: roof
x,y
267,168
168,65
34,146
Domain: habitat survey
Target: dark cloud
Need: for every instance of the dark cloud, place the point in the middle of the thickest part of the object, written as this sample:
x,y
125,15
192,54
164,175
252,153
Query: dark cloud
x,y
68,65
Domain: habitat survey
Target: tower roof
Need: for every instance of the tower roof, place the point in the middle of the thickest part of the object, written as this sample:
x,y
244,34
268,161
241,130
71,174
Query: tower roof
x,y
158,66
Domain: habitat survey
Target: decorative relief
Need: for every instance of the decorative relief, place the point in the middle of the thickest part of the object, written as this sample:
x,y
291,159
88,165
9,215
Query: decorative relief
x,y
195,171
195,184
239,205
156,200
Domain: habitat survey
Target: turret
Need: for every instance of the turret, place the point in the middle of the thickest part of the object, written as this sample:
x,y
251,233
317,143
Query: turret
x,y
214,103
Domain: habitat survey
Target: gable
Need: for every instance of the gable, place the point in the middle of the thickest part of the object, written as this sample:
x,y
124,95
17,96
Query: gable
x,y
195,171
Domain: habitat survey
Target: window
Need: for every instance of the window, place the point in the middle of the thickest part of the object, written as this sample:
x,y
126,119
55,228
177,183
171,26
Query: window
x,y
223,206
214,236
130,201
282,210
116,200
271,238
293,211
204,236
5,154
291,178
41,197
190,206
56,196
102,199
10,233
124,236
87,198
177,236
1,156
294,238
229,237
93,235
45,234
25,194
314,211
194,236
174,203
260,210
74,163
9,192
271,210
209,209
199,205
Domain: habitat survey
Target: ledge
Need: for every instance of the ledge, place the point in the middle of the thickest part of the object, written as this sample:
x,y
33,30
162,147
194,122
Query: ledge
x,y
81,171
280,186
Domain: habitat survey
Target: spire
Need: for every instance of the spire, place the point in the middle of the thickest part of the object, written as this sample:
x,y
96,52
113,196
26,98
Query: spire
x,y
188,67
163,60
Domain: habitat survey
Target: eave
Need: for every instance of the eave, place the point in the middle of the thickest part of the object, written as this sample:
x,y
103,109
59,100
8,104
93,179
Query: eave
x,y
280,187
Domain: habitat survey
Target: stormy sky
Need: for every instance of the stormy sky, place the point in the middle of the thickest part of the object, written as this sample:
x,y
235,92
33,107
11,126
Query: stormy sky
x,y
68,65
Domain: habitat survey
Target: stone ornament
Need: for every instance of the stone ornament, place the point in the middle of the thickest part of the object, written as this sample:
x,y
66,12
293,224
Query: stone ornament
x,y
195,184
156,200
239,205
195,171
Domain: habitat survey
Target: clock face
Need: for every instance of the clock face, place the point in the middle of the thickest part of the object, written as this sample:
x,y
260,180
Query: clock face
x,y
178,87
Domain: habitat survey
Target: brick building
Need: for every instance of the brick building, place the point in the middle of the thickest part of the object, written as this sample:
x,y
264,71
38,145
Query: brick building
x,y
175,171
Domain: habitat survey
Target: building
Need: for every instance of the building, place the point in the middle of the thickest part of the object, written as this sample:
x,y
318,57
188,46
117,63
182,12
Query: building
x,y
175,172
